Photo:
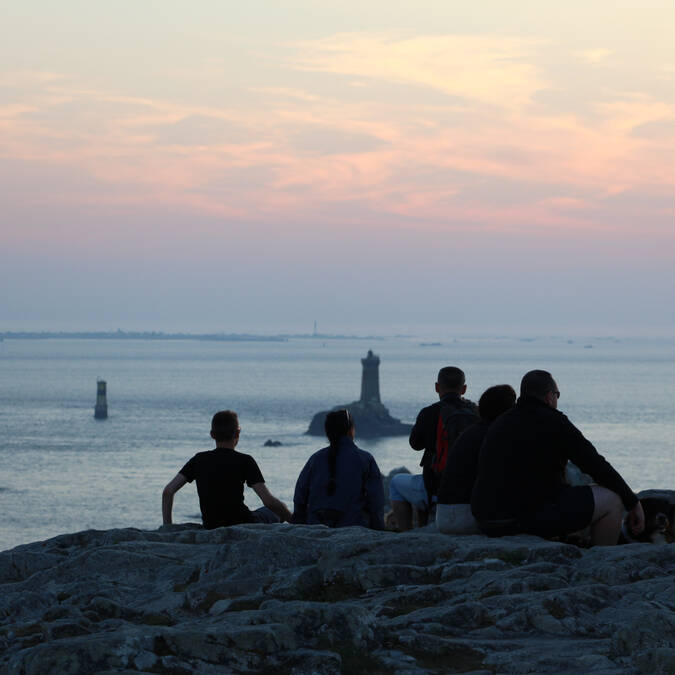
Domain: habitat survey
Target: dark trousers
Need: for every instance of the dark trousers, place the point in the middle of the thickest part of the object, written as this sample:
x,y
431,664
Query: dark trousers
x,y
265,515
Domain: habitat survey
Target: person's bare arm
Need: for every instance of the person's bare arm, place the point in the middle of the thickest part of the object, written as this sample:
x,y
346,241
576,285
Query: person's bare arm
x,y
271,502
636,519
169,491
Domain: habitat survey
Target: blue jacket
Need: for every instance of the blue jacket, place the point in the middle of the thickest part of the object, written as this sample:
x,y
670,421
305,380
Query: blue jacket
x,y
359,495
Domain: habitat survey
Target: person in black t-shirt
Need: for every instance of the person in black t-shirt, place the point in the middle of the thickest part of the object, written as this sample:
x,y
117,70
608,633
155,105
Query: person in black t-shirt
x,y
220,476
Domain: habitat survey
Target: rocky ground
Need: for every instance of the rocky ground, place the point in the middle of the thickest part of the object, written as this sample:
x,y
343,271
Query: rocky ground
x,y
306,599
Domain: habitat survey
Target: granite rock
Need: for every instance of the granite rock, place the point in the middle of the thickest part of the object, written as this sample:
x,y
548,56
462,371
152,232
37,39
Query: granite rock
x,y
307,599
371,419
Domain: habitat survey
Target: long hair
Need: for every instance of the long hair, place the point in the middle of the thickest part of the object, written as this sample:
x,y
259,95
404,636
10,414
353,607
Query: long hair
x,y
496,400
338,424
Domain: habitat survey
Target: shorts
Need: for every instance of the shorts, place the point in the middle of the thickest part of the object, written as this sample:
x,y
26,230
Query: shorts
x,y
409,487
456,519
264,515
570,511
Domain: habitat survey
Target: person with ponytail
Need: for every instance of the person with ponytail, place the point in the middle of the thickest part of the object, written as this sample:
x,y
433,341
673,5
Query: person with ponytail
x,y
340,485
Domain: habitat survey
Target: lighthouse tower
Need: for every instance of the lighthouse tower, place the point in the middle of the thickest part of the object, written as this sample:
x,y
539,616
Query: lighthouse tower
x,y
101,408
370,378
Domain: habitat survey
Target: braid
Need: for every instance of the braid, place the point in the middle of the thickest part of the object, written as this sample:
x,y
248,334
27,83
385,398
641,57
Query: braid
x,y
332,461
338,424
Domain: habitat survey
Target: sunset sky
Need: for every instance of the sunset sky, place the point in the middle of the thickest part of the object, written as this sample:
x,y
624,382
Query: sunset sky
x,y
379,166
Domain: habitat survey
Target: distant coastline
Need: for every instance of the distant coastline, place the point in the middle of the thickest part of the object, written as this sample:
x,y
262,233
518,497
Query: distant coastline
x,y
158,335
138,335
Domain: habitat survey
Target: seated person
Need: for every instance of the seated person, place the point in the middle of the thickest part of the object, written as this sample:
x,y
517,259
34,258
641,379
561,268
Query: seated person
x,y
453,512
521,484
220,476
340,485
435,430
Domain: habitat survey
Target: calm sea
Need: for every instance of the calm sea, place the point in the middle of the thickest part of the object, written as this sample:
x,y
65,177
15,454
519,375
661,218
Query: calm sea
x,y
61,470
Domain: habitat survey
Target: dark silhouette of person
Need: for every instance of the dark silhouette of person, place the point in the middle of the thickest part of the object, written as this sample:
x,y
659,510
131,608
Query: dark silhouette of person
x,y
521,483
453,511
442,422
341,484
221,474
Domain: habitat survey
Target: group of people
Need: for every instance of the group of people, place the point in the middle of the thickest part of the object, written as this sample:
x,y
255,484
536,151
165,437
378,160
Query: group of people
x,y
500,468
340,485
497,467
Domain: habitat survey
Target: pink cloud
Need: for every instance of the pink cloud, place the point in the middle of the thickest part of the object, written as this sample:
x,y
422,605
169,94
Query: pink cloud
x,y
310,157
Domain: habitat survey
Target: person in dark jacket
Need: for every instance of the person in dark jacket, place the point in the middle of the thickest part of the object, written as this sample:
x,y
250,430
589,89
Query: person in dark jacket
x,y
418,491
453,511
521,483
340,485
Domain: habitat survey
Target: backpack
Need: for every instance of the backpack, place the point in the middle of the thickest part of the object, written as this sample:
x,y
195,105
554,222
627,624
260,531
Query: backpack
x,y
452,421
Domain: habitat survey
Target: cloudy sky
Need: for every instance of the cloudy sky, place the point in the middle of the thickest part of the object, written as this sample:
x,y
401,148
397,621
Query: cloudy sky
x,y
416,166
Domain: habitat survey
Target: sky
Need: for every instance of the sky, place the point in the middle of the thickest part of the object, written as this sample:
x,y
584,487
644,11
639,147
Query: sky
x,y
425,167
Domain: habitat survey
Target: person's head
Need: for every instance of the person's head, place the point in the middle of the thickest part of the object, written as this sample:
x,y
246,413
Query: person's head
x,y
496,400
540,384
225,427
339,423
450,380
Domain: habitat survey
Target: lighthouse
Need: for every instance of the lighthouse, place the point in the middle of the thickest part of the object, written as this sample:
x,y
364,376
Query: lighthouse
x,y
101,408
370,379
371,417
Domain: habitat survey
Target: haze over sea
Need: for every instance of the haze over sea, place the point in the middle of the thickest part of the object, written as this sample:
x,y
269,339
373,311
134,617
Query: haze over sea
x,y
61,470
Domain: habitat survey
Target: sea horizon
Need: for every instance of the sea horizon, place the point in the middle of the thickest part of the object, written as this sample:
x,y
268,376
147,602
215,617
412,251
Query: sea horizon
x,y
63,470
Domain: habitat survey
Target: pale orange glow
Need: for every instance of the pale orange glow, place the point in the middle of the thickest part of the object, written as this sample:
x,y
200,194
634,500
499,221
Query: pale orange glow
x,y
277,161
448,130
493,71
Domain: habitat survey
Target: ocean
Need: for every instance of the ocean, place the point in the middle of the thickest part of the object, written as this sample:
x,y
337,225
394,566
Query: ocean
x,y
61,470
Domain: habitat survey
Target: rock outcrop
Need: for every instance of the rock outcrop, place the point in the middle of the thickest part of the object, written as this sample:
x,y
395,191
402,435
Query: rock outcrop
x,y
306,599
372,420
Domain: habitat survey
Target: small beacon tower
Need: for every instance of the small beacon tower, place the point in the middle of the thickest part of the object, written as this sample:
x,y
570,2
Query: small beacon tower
x,y
101,408
370,378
